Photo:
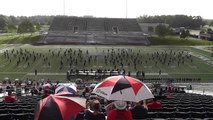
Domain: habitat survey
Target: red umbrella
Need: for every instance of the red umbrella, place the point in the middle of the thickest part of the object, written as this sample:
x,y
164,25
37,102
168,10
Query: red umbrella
x,y
59,107
123,88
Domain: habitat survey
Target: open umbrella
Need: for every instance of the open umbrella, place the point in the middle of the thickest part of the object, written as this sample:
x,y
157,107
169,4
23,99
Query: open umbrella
x,y
123,88
47,86
65,93
70,88
59,107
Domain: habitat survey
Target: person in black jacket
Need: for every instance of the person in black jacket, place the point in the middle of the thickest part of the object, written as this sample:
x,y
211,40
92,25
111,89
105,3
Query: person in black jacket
x,y
94,112
139,111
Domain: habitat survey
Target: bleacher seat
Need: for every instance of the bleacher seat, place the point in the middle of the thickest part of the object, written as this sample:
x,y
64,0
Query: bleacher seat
x,y
152,115
200,115
183,109
166,115
209,114
4,111
183,115
22,116
5,116
15,111
169,109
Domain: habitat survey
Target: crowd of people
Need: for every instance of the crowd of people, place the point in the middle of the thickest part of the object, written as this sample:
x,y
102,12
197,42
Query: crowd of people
x,y
97,108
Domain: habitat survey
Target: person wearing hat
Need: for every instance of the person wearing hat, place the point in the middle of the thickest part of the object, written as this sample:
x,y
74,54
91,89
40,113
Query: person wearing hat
x,y
120,112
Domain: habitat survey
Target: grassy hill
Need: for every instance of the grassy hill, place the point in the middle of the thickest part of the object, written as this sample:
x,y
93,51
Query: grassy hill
x,y
172,40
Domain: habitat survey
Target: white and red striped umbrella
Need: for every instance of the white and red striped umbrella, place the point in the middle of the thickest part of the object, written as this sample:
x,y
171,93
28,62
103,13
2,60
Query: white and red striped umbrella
x,y
123,88
70,88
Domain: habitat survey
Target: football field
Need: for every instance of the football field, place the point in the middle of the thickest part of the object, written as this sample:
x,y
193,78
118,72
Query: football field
x,y
53,61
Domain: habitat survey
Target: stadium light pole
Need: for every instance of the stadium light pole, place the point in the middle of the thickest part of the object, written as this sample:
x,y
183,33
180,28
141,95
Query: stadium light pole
x,y
126,8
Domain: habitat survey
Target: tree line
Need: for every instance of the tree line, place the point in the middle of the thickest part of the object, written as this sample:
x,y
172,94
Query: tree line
x,y
23,24
175,21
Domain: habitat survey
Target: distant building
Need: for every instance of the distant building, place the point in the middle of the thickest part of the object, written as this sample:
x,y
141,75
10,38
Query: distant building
x,y
206,36
178,30
149,28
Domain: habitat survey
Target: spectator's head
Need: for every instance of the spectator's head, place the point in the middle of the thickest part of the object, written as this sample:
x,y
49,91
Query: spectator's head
x,y
9,92
96,105
46,91
57,82
139,103
120,105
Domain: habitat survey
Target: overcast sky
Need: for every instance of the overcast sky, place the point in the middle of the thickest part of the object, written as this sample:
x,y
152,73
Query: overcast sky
x,y
107,8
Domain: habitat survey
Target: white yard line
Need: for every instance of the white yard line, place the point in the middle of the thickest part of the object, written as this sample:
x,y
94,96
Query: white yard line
x,y
4,49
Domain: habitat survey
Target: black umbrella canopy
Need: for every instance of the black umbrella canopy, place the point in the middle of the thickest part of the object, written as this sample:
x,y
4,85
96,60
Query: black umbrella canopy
x,y
50,111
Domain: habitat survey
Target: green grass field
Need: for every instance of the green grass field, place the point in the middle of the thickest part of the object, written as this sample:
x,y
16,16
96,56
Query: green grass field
x,y
19,39
175,40
150,59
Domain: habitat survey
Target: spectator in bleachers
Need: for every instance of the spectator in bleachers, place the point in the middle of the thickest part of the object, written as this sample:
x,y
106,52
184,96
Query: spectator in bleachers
x,y
86,92
94,111
46,94
154,104
1,90
56,85
169,90
10,97
182,90
49,81
4,82
139,111
120,112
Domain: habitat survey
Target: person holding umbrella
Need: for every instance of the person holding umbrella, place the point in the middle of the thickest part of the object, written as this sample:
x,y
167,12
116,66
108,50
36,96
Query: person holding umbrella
x,y
122,88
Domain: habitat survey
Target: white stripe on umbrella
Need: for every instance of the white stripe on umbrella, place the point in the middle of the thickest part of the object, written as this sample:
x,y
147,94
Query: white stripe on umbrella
x,y
143,93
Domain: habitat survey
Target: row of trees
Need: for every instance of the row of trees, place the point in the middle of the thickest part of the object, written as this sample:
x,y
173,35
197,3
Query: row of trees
x,y
23,24
162,30
175,20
